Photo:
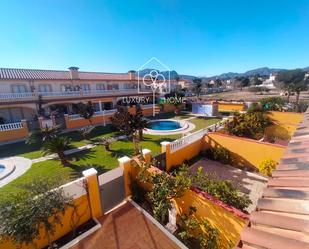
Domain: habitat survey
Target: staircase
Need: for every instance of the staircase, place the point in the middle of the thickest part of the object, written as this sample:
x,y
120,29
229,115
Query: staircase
x,y
281,219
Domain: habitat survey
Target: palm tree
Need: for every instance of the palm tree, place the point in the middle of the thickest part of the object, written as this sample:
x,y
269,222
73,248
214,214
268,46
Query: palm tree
x,y
299,87
105,141
85,131
291,80
197,87
140,123
58,145
44,134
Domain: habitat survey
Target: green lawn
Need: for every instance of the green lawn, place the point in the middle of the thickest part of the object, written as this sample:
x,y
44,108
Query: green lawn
x,y
96,157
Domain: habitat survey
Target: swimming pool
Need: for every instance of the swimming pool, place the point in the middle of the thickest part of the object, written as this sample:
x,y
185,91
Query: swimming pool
x,y
164,125
2,168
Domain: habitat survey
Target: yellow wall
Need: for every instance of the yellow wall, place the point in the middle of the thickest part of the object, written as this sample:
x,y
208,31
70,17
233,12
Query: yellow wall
x,y
13,135
83,210
186,153
245,152
228,224
285,124
227,107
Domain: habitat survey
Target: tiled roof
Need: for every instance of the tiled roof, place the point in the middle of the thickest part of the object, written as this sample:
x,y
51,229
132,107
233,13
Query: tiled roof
x,y
281,220
37,74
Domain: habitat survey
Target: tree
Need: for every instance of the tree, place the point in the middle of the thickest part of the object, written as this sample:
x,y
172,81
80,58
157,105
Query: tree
x,y
288,80
299,87
130,124
86,111
24,214
164,189
58,145
243,81
44,134
251,125
175,99
85,131
256,80
105,141
272,103
197,86
218,82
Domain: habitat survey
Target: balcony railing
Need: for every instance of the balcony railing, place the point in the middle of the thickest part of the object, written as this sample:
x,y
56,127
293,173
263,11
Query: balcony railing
x,y
35,95
11,126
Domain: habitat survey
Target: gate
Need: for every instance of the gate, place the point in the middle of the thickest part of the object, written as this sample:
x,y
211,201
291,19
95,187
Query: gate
x,y
160,161
112,189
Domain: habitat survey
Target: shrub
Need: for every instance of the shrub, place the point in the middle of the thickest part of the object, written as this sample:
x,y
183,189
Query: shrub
x,y
197,234
272,103
219,154
222,189
251,125
267,166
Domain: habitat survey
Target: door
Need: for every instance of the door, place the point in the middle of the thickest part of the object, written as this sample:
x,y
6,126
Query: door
x,y
112,189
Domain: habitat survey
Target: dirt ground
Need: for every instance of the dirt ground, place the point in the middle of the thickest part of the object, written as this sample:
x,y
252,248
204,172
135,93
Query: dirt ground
x,y
249,96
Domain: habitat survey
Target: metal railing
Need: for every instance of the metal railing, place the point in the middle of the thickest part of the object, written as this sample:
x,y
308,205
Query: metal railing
x,y
11,126
191,138
33,95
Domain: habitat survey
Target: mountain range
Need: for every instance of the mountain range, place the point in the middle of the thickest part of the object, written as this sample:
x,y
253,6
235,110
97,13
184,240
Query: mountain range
x,y
263,71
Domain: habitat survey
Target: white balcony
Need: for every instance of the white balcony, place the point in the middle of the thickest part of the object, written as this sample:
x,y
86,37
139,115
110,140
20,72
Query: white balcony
x,y
7,97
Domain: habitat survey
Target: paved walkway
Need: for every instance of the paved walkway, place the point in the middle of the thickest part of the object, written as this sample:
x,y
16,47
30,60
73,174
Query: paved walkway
x,y
126,228
249,183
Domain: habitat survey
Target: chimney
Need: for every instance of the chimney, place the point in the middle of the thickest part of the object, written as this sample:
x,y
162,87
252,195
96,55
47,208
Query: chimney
x,y
132,74
74,73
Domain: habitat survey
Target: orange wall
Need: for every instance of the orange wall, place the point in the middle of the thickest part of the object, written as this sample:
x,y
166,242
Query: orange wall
x,y
227,107
83,211
81,122
228,223
7,136
245,152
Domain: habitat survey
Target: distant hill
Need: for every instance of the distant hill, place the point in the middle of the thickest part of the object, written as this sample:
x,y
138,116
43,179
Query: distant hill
x,y
263,71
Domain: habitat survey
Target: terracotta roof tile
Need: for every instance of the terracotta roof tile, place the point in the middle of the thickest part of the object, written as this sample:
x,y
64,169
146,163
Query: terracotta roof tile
x,y
282,216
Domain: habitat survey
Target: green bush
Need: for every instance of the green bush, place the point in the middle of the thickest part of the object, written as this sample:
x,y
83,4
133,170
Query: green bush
x,y
272,103
219,154
267,166
251,125
222,189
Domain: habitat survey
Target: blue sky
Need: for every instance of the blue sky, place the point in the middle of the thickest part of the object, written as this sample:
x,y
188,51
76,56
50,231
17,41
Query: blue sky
x,y
192,37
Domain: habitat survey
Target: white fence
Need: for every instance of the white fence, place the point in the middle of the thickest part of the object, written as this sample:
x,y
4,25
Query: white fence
x,y
34,95
182,142
11,126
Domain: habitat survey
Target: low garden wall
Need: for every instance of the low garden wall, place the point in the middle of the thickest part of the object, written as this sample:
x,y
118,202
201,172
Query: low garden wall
x,y
228,220
245,152
13,132
87,206
230,106
79,122
285,124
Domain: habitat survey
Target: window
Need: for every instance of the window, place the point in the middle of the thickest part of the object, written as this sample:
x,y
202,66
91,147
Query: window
x,y
100,87
112,86
45,88
66,88
19,88
85,87
129,86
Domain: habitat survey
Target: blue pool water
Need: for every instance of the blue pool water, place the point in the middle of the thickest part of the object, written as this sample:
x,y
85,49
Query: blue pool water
x,y
164,125
1,168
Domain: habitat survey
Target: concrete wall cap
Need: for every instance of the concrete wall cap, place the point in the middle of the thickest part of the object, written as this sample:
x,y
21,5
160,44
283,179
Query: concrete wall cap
x,y
124,159
165,143
90,172
146,151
